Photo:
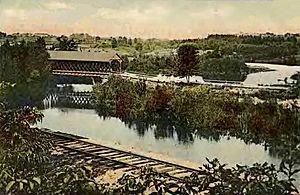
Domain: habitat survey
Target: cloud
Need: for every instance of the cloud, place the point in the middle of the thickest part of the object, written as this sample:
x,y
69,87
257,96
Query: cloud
x,y
130,14
147,22
56,5
14,13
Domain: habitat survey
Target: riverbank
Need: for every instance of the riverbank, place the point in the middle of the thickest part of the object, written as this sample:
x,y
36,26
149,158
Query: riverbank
x,y
126,99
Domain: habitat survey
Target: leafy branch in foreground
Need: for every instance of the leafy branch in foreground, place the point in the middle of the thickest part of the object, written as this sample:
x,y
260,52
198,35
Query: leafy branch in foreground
x,y
27,164
213,178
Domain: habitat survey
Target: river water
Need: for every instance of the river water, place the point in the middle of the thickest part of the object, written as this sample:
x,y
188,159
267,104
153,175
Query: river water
x,y
279,73
114,132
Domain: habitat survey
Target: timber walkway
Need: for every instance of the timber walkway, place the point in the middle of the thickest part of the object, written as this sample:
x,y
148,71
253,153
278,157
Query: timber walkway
x,y
114,158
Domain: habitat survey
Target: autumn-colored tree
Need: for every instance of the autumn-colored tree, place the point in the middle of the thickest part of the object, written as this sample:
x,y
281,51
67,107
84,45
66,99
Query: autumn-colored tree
x,y
124,103
160,100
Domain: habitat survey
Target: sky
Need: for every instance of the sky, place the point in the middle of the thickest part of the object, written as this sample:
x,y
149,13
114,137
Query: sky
x,y
150,18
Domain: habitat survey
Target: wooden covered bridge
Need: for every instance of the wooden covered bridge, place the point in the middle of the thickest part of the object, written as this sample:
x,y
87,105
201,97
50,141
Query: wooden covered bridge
x,y
78,63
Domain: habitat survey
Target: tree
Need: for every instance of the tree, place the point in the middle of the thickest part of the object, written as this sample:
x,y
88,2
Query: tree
x,y
25,64
98,38
125,62
125,40
139,46
2,34
229,67
114,43
187,61
129,41
66,44
27,165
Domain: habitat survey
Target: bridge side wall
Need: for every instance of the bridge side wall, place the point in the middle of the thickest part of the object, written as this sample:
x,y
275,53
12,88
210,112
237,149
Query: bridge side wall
x,y
70,65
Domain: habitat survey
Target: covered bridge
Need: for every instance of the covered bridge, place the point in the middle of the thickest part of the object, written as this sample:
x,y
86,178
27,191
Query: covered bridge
x,y
105,61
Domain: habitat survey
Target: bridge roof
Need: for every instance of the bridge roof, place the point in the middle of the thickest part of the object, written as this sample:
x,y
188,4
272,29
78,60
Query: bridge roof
x,y
105,56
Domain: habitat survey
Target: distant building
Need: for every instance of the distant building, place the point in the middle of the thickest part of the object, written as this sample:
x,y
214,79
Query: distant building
x,y
86,61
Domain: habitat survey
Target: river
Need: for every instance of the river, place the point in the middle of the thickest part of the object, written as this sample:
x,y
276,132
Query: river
x,y
113,132
276,76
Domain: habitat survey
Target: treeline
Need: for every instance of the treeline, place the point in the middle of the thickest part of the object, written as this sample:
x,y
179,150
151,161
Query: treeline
x,y
256,39
25,64
188,62
194,107
283,53
223,67
152,64
267,47
270,48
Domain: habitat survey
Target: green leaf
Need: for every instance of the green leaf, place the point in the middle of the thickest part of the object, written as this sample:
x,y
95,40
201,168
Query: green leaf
x,y
24,181
31,185
59,173
67,178
76,176
89,168
21,185
37,180
9,186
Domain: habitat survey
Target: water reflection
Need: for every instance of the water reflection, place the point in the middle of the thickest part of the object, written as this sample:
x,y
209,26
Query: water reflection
x,y
173,142
161,130
152,132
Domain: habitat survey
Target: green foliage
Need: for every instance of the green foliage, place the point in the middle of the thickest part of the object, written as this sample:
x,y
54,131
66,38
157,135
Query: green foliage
x,y
24,61
74,179
187,60
2,34
201,111
26,162
278,53
212,178
152,64
139,47
160,100
129,41
194,108
15,129
231,67
114,43
23,150
4,88
296,85
26,65
269,48
66,44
